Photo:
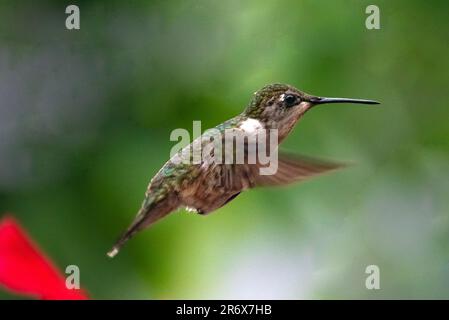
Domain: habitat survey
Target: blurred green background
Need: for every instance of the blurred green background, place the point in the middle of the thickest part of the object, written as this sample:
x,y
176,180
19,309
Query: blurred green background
x,y
85,119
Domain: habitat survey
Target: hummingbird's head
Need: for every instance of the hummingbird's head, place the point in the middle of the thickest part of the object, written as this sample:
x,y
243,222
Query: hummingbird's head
x,y
279,106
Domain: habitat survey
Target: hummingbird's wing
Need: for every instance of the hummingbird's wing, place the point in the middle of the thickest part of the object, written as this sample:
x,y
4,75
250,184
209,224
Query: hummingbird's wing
x,y
220,184
290,169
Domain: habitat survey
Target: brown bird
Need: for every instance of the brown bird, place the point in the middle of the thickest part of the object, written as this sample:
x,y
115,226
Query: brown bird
x,y
210,184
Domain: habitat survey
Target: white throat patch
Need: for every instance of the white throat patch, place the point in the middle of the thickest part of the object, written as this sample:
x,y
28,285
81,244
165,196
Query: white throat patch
x,y
251,125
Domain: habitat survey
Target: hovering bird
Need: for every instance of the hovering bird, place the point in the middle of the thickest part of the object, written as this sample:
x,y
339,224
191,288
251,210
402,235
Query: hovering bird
x,y
208,185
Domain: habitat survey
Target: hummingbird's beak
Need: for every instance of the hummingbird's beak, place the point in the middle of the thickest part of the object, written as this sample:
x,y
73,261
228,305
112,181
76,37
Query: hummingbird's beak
x,y
322,100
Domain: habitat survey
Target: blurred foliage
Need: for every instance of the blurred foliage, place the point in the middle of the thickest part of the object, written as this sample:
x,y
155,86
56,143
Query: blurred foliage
x,y
85,119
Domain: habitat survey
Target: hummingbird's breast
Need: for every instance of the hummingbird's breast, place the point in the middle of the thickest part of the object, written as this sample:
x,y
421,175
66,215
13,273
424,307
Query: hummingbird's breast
x,y
209,191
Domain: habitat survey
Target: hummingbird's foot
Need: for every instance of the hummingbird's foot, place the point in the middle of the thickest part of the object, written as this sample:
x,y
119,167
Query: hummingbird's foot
x,y
194,210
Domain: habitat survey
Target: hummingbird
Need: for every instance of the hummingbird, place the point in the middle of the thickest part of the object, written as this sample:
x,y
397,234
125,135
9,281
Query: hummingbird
x,y
208,185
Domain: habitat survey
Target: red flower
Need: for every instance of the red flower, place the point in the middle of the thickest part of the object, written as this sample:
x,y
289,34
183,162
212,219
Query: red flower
x,y
24,269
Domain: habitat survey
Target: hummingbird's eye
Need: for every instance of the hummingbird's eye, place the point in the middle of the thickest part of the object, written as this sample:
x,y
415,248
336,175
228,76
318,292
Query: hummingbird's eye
x,y
290,100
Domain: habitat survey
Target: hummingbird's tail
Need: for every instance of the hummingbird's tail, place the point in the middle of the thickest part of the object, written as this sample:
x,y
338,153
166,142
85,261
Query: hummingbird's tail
x,y
150,212
130,232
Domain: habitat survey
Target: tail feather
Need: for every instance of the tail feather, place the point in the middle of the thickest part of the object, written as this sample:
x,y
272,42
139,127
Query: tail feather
x,y
147,215
132,230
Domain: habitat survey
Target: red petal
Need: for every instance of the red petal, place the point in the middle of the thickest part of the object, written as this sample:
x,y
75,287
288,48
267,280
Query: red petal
x,y
24,269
